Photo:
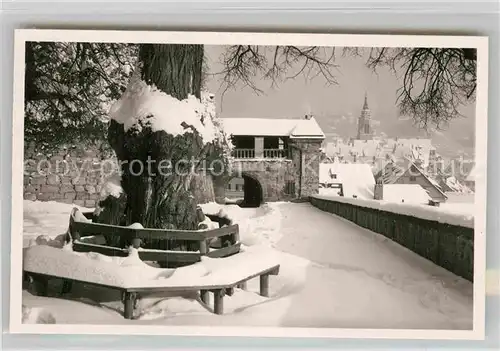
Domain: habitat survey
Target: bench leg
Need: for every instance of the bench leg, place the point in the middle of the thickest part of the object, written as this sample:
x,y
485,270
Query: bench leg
x,y
205,296
264,285
128,304
219,301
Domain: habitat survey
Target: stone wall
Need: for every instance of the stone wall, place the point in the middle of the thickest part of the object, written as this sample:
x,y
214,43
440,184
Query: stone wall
x,y
306,157
69,175
76,175
274,180
272,174
281,180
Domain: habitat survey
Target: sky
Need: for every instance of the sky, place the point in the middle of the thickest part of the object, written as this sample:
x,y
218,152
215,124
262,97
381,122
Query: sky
x,y
337,107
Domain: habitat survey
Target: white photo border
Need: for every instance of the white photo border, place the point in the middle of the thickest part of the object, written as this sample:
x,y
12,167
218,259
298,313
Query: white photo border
x,y
228,38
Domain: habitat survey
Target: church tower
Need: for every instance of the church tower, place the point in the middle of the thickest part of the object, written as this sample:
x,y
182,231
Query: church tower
x,y
365,128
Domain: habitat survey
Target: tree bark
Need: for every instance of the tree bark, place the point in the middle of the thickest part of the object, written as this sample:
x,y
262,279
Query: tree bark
x,y
175,69
157,198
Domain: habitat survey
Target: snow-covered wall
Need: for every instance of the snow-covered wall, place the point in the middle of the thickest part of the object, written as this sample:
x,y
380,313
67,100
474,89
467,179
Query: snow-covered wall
x,y
444,238
429,213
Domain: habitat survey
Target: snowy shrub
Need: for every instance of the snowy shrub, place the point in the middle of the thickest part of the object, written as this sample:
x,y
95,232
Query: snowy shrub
x,y
56,75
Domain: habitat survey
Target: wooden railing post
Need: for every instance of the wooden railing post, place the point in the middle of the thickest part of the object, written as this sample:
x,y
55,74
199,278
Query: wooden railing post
x,y
136,243
128,304
205,296
236,235
75,235
219,301
203,247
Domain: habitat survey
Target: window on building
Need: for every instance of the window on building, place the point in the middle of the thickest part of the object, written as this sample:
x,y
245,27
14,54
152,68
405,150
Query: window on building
x,y
228,186
367,128
413,178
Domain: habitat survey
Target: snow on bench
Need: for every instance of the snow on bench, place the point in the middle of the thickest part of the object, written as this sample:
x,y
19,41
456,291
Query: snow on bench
x,y
212,239
131,275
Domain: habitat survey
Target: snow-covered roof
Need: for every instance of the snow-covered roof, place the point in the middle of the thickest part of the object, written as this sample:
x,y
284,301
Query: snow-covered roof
x,y
367,148
455,186
415,149
407,193
356,178
393,171
307,128
294,128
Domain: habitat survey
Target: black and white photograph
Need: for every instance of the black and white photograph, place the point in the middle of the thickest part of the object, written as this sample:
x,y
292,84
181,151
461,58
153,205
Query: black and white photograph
x,y
264,183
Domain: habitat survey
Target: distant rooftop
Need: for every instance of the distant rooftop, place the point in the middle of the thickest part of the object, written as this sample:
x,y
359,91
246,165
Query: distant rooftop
x,y
407,193
356,178
415,149
294,128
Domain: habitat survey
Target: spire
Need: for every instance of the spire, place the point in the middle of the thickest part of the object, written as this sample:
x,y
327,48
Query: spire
x,y
365,105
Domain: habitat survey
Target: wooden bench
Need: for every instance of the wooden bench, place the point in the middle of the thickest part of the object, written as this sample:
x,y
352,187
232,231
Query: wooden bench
x,y
221,286
198,240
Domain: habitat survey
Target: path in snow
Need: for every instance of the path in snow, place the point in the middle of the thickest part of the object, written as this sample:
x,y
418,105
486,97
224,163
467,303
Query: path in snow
x,y
359,279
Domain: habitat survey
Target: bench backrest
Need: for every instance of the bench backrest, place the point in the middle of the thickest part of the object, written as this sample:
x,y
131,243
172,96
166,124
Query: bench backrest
x,y
83,229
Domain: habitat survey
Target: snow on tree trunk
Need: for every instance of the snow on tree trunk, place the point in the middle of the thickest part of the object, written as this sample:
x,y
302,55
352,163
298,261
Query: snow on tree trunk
x,y
161,132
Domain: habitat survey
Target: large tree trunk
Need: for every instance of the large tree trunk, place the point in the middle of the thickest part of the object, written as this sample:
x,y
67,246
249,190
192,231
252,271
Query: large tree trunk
x,y
154,199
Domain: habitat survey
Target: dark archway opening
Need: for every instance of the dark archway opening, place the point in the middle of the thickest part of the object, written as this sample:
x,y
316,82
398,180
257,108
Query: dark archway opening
x,y
252,191
244,191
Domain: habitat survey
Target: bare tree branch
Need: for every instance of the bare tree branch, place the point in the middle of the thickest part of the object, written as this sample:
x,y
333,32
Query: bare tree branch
x,y
435,82
243,63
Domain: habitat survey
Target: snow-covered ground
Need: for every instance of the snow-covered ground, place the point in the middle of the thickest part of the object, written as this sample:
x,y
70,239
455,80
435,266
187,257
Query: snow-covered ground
x,y
333,274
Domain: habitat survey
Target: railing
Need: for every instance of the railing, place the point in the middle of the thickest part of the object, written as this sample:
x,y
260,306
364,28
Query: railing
x,y
170,248
244,153
449,246
275,153
268,153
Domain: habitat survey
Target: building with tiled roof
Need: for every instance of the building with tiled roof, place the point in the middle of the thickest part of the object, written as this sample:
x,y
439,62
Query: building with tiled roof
x,y
407,172
277,158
